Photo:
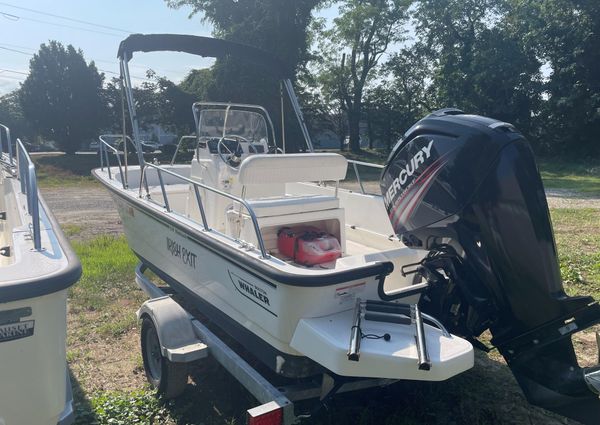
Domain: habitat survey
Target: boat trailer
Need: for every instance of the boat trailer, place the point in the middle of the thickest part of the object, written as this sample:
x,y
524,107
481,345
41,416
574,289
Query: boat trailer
x,y
182,339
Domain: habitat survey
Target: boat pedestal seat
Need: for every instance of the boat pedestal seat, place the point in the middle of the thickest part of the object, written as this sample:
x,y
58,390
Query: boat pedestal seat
x,y
276,206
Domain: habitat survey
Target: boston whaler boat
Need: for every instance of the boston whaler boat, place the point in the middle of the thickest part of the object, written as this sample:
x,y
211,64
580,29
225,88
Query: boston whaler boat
x,y
37,266
315,279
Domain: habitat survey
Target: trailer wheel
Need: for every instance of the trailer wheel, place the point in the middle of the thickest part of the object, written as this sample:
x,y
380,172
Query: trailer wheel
x,y
170,379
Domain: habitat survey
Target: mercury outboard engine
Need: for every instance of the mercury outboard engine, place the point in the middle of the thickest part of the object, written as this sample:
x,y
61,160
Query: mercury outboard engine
x,y
467,189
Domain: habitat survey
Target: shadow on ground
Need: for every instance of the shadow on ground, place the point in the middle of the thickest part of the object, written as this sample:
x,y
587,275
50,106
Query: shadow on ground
x,y
488,394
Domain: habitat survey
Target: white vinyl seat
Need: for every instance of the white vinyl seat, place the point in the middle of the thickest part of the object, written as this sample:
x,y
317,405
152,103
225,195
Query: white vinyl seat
x,y
273,212
271,207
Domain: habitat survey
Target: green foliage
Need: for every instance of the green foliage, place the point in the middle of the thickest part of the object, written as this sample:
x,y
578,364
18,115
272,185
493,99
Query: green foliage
x,y
565,34
11,115
351,50
478,63
122,408
61,97
276,26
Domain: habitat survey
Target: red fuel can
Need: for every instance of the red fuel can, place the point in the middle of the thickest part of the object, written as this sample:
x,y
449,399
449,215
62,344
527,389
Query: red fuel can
x,y
308,245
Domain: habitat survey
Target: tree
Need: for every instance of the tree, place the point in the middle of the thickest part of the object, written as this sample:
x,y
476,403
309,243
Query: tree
x,y
565,35
353,48
479,63
62,96
276,26
11,115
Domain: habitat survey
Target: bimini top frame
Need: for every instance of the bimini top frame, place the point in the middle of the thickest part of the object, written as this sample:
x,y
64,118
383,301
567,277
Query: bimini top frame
x,y
207,47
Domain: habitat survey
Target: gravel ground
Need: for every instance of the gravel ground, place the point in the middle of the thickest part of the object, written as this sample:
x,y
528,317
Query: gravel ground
x,y
89,207
563,198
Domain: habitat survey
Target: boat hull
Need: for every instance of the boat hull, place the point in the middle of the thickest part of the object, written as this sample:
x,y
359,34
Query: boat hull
x,y
33,356
268,312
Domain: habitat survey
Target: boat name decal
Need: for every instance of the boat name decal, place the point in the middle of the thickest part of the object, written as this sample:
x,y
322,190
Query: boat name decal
x,y
187,257
251,291
409,169
16,330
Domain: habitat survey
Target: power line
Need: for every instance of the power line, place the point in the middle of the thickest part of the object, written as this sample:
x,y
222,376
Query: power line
x,y
12,17
66,18
16,51
17,46
12,77
16,72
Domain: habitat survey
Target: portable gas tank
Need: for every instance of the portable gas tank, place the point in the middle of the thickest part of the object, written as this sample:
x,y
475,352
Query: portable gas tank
x,y
308,245
467,189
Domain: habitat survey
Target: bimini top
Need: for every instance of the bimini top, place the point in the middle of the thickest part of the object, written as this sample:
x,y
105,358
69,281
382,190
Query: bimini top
x,y
201,46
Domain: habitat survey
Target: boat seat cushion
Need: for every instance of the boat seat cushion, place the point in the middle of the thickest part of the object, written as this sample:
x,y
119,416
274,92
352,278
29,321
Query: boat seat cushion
x,y
292,168
270,207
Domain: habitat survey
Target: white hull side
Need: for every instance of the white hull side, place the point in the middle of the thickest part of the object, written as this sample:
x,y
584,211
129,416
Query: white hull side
x,y
217,281
35,366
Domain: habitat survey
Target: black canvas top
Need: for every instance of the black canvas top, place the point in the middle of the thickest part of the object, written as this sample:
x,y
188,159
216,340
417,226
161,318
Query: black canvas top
x,y
201,46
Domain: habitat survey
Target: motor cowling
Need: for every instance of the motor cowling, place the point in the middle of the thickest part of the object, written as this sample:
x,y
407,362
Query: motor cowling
x,y
467,189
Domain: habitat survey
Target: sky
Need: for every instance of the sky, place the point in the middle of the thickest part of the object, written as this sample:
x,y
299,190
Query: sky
x,y
22,32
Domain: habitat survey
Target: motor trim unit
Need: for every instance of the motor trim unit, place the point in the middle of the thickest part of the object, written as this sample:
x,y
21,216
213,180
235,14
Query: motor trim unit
x,y
467,189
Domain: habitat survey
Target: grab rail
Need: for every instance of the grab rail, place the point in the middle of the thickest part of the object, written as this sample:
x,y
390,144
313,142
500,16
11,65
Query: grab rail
x,y
9,150
365,164
160,170
178,146
104,155
27,177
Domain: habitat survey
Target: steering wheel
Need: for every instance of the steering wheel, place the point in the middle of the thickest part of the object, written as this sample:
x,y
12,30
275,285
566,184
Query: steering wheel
x,y
233,158
275,150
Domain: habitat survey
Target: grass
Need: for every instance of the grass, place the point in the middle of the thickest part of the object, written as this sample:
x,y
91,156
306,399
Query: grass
x,y
63,170
577,233
582,177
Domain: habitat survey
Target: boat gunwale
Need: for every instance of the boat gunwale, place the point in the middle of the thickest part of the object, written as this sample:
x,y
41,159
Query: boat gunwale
x,y
46,284
255,266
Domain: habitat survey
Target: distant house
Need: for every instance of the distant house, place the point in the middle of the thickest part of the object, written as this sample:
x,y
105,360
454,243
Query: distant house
x,y
326,139
156,133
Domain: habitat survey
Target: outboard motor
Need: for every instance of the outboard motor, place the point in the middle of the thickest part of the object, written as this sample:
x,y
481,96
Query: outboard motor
x,y
467,189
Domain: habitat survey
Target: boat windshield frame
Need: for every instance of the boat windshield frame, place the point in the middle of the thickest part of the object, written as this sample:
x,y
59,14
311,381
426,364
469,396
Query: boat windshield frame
x,y
199,107
206,47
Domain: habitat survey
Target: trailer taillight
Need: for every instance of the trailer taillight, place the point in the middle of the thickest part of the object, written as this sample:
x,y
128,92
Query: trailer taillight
x,y
267,414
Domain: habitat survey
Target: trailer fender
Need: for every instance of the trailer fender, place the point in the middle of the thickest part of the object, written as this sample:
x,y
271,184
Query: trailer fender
x,y
177,338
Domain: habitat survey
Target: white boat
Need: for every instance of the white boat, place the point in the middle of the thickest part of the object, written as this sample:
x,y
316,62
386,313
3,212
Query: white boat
x,y
209,228
213,230
37,266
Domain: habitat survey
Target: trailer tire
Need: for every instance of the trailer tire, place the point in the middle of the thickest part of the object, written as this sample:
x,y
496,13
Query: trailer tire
x,y
170,379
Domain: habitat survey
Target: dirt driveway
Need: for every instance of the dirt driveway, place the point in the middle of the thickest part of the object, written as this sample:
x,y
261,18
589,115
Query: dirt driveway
x,y
90,208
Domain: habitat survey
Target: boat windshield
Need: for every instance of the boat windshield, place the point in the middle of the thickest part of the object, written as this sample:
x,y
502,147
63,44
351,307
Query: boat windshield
x,y
218,123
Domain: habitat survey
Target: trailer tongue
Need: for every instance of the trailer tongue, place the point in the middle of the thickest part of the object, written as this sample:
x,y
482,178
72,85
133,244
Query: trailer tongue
x,y
467,189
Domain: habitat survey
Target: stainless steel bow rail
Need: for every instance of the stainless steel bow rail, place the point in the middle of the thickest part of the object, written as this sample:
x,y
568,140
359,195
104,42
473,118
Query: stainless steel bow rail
x,y
390,312
27,177
160,170
105,146
25,173
355,165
